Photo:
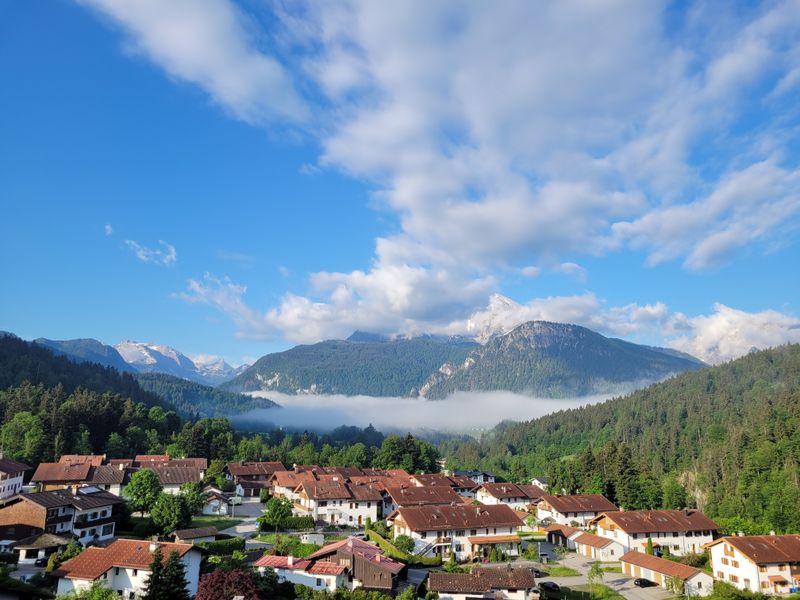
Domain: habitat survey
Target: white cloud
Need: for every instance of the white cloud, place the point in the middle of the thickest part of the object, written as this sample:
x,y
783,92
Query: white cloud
x,y
108,229
530,271
728,333
164,256
212,45
574,270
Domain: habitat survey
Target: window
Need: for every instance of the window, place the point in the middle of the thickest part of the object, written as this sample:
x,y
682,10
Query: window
x,y
319,582
765,584
747,583
423,535
473,532
135,572
733,578
735,564
116,570
460,532
720,575
724,561
699,585
762,568
676,547
369,504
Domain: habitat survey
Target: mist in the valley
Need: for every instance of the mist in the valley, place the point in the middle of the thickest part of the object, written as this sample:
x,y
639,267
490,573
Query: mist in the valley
x,y
460,412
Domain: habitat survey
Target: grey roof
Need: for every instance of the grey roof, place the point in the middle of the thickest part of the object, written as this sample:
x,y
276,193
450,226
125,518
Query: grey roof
x,y
8,465
196,532
42,540
81,500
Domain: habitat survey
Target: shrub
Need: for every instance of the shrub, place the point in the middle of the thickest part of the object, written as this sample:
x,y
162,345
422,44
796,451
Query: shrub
x,y
404,543
263,495
395,554
297,523
224,547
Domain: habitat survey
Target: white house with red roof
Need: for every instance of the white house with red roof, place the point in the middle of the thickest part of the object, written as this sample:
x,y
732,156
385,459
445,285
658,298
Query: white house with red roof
x,y
769,564
318,575
124,567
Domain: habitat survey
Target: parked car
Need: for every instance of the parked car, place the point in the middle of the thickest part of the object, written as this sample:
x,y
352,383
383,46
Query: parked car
x,y
40,562
642,582
536,572
548,587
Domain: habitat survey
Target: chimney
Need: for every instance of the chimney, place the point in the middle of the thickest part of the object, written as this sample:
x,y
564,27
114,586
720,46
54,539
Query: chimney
x,y
153,543
290,560
772,532
740,534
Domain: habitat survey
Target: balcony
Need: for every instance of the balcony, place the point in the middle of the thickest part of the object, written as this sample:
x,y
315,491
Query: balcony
x,y
86,523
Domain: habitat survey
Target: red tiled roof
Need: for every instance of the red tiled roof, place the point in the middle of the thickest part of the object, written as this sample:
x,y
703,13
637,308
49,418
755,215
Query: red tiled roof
x,y
326,568
659,565
565,530
433,479
61,472
580,503
196,532
254,468
660,521
151,458
356,547
93,562
503,491
77,459
763,549
534,492
282,562
409,495
169,475
589,539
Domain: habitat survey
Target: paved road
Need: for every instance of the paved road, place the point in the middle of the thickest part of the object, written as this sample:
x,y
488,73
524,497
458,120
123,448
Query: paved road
x,y
248,511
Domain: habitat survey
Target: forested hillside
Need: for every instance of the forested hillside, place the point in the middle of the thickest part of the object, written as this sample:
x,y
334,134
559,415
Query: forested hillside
x,y
729,435
360,365
192,398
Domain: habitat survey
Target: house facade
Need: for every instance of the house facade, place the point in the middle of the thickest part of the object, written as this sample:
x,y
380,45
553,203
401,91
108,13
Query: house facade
x,y
338,503
667,573
12,473
769,564
250,477
87,513
124,566
316,575
510,494
365,563
680,532
595,547
466,531
576,509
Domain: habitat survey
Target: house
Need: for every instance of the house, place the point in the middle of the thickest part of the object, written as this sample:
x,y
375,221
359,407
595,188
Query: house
x,y
328,576
462,485
173,476
338,503
507,583
769,564
82,459
124,566
87,513
284,483
112,478
576,509
11,474
365,563
541,482
40,545
680,531
406,495
195,535
562,535
479,477
58,476
467,531
693,582
516,496
251,477
216,502
12,534
595,547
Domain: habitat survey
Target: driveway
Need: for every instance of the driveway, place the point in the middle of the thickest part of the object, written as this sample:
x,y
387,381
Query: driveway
x,y
249,510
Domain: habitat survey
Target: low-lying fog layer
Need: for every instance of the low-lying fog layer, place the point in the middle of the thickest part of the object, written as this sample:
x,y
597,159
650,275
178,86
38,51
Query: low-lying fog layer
x,y
462,411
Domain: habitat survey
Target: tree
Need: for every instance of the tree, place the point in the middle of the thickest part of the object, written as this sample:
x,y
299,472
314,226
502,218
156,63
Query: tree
x,y
673,494
407,594
98,591
170,513
675,585
23,437
594,575
404,543
277,511
193,496
173,580
224,585
143,490
649,547
153,586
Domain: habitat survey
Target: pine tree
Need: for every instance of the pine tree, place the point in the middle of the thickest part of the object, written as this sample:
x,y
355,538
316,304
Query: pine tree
x,y
174,578
153,589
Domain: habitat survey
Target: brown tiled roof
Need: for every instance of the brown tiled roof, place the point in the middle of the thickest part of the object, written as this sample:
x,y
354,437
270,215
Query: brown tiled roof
x,y
502,491
580,503
482,581
168,475
764,549
8,465
197,463
534,492
290,479
151,458
462,481
196,532
78,459
458,516
81,500
429,479
410,495
659,565
253,485
254,468
42,540
107,475
325,490
61,472
282,562
377,481
661,521
589,539
343,471
365,492
326,568
135,554
565,530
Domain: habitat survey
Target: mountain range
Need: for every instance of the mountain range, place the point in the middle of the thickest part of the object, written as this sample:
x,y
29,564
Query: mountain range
x,y
139,357
536,358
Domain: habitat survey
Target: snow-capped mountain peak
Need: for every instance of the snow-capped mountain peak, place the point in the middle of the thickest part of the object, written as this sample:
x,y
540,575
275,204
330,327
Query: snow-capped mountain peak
x,y
500,316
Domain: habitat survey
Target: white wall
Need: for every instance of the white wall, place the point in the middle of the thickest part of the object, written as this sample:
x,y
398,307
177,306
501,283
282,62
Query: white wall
x,y
747,570
679,545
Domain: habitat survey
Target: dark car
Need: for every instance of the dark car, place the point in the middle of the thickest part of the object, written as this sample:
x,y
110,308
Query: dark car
x,y
642,582
40,562
548,587
536,572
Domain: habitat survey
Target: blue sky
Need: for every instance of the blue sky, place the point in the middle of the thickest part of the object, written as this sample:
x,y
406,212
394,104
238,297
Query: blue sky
x,y
234,178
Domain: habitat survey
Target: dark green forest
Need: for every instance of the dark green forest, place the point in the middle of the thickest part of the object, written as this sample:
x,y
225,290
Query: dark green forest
x,y
727,436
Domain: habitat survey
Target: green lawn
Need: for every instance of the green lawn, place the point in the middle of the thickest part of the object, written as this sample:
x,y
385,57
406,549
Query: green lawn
x,y
298,549
611,567
213,521
583,592
560,571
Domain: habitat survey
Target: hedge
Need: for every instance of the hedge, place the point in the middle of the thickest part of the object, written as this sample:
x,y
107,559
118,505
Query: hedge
x,y
298,523
223,547
394,553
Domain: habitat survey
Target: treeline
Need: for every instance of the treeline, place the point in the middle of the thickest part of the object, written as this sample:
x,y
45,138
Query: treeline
x,y
195,400
729,435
